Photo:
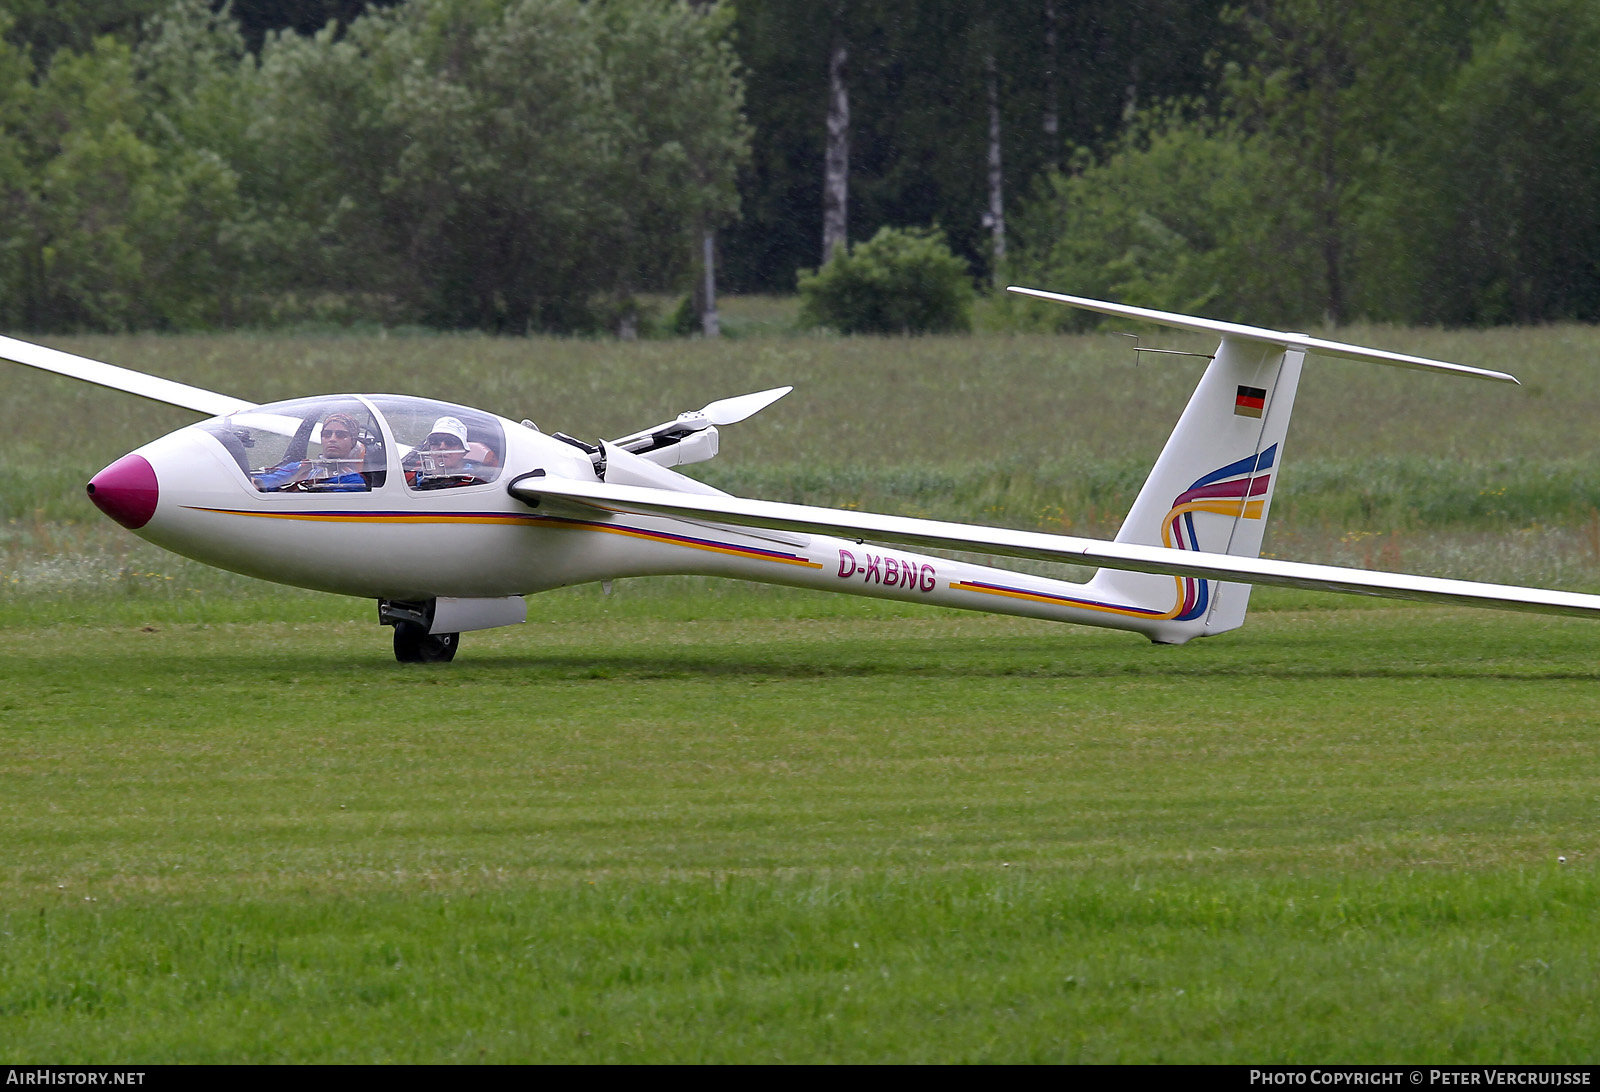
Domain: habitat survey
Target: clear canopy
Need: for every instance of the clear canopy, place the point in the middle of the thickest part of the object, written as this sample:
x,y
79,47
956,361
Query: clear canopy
x,y
443,446
335,444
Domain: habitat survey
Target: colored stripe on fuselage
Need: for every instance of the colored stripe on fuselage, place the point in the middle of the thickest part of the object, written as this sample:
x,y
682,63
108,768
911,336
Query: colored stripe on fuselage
x,y
517,519
1211,493
1061,600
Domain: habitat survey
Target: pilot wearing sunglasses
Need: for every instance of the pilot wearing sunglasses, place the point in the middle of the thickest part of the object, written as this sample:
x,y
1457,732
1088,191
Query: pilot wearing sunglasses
x,y
338,470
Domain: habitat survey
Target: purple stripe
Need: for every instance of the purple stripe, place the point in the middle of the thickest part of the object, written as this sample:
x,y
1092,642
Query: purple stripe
x,y
1059,598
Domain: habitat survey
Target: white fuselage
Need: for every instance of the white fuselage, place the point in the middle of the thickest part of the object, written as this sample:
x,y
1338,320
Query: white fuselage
x,y
478,541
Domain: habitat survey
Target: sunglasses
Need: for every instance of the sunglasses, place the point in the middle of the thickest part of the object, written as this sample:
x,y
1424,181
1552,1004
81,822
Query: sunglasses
x,y
449,443
336,433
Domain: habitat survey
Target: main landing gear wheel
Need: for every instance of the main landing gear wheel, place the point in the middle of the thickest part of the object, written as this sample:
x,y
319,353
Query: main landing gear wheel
x,y
413,644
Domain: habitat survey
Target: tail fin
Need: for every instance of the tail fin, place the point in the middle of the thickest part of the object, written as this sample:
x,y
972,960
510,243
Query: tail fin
x,y
1212,487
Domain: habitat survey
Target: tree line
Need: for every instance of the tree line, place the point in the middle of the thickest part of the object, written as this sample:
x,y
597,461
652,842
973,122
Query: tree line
x,y
508,165
517,165
1431,161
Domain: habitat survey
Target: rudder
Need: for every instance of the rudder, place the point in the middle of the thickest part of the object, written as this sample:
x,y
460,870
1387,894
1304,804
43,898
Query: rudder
x,y
1211,490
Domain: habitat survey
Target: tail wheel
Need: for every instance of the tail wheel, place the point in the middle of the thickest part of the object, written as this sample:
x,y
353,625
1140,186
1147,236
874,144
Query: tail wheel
x,y
413,644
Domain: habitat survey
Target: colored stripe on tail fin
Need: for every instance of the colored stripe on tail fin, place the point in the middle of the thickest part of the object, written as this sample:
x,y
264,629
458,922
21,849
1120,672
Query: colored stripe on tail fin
x,y
1211,489
1212,486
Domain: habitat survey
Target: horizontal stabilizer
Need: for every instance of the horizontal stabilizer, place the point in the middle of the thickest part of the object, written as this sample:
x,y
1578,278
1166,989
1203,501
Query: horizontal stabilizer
x,y
207,402
1304,342
1062,548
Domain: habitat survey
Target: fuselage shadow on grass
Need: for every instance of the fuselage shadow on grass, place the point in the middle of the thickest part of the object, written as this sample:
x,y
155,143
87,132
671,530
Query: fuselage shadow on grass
x,y
1392,642
1026,664
1260,657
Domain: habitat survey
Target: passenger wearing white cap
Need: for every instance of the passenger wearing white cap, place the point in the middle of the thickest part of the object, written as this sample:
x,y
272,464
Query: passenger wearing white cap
x,y
448,437
448,459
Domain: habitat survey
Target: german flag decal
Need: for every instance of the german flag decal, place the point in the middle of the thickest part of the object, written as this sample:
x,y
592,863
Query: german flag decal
x,y
1250,402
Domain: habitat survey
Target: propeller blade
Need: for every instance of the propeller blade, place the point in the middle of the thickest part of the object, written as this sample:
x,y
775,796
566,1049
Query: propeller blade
x,y
724,411
728,411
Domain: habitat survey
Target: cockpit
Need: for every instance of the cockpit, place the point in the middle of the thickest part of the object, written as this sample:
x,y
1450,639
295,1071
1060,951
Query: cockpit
x,y
443,446
354,444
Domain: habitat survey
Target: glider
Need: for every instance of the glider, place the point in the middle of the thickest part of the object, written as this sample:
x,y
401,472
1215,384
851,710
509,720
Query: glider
x,y
448,516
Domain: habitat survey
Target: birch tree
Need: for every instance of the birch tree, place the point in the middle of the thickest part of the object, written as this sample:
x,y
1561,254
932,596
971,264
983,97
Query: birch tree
x,y
836,159
1051,120
994,216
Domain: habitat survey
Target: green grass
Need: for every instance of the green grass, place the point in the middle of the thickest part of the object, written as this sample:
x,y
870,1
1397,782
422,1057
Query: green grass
x,y
1037,427
1384,467
653,827
702,821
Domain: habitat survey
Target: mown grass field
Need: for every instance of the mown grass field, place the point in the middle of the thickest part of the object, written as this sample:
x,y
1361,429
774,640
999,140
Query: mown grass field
x,y
777,826
696,821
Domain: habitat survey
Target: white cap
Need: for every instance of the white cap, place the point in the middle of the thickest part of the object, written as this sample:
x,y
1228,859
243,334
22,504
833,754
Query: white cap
x,y
450,426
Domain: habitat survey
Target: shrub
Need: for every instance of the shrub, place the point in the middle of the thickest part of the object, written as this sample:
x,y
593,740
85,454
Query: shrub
x,y
901,281
1172,217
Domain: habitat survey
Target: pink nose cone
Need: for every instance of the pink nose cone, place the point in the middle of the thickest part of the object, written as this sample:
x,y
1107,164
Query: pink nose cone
x,y
126,491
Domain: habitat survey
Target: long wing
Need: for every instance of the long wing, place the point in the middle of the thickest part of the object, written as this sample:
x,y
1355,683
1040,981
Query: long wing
x,y
1033,544
207,402
1305,342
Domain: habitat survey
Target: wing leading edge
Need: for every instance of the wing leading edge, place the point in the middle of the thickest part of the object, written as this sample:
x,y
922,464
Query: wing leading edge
x,y
1045,547
203,401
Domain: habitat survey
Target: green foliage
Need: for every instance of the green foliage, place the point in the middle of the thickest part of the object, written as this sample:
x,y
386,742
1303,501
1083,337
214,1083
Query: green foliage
x,y
1328,90
312,155
527,164
901,281
510,165
678,90
518,165
1422,162
916,79
114,222
1171,218
16,94
1498,206
42,27
1281,210
494,173
685,320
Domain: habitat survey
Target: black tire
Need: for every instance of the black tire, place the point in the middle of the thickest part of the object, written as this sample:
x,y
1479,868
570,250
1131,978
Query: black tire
x,y
415,645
